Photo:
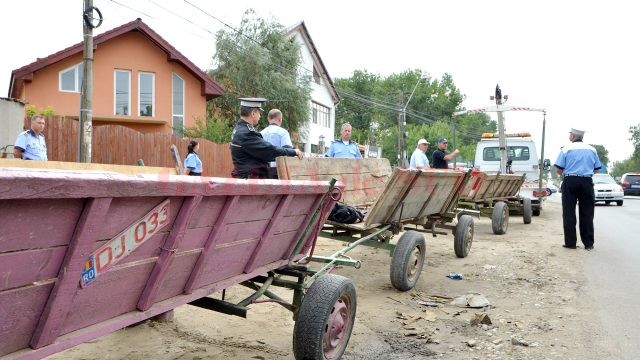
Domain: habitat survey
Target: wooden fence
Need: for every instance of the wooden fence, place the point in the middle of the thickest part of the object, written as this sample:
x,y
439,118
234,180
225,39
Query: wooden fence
x,y
115,144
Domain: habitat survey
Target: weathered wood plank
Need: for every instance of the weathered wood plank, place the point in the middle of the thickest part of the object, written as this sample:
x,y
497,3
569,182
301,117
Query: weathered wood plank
x,y
167,254
267,235
61,297
210,243
19,315
62,165
364,179
25,267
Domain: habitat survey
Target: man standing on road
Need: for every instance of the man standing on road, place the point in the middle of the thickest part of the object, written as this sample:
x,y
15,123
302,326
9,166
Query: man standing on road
x,y
344,148
419,159
277,136
440,158
31,144
249,151
577,163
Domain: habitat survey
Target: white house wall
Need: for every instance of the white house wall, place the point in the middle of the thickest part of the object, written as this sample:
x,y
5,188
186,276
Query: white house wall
x,y
310,134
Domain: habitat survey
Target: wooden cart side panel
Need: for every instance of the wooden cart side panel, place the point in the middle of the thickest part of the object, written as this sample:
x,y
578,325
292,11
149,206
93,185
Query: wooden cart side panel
x,y
44,257
364,179
414,189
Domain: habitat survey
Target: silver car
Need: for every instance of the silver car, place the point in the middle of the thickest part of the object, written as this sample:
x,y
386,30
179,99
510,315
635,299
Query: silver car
x,y
606,189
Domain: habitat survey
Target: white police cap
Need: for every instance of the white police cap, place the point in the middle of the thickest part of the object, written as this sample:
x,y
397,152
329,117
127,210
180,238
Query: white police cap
x,y
577,132
253,102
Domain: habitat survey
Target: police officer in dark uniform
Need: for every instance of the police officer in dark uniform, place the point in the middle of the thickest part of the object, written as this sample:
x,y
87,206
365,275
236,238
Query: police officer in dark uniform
x,y
577,163
250,153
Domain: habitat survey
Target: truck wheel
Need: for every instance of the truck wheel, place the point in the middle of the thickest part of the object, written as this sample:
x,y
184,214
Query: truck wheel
x,y
408,260
526,210
608,202
463,237
500,218
536,211
325,319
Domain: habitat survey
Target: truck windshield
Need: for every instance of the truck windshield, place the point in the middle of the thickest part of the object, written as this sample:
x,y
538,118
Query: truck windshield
x,y
515,153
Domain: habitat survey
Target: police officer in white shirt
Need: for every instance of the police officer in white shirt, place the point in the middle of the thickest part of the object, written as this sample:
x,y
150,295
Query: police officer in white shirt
x,y
31,144
276,135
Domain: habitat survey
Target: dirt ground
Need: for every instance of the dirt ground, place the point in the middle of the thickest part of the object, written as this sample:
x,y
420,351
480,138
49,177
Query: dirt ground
x,y
538,310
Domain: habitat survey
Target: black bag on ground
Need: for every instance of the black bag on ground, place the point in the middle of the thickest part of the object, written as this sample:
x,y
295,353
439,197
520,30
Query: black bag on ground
x,y
345,214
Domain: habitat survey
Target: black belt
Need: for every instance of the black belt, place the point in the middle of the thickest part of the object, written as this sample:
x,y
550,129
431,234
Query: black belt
x,y
585,176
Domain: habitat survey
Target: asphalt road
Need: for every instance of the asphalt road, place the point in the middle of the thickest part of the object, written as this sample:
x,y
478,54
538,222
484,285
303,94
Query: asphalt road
x,y
613,273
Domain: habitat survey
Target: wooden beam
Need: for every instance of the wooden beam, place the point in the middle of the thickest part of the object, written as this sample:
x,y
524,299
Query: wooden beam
x,y
61,297
210,244
284,203
167,254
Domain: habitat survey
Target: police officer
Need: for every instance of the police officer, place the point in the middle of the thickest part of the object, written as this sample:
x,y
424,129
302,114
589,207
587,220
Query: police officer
x,y
249,151
344,147
277,136
31,144
577,163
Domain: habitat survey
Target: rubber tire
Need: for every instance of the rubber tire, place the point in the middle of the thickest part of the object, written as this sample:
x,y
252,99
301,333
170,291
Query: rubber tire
x,y
326,294
619,202
536,212
406,264
500,218
527,211
608,202
463,236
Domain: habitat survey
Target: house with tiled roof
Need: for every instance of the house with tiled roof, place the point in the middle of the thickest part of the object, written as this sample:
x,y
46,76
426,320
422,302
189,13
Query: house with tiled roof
x,y
140,81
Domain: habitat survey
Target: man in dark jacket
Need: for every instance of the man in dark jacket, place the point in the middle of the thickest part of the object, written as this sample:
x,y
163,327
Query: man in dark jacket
x,y
250,153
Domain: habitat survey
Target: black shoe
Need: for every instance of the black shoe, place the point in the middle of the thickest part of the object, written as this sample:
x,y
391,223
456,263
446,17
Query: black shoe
x,y
569,247
588,248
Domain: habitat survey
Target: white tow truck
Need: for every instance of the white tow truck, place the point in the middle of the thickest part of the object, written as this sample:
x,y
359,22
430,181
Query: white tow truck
x,y
513,154
522,159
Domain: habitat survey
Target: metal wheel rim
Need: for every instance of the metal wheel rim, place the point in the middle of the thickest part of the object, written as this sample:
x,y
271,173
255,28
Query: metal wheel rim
x,y
468,238
414,263
505,217
336,327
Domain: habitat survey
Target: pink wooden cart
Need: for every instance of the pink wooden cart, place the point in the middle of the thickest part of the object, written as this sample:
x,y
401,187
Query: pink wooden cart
x,y
85,253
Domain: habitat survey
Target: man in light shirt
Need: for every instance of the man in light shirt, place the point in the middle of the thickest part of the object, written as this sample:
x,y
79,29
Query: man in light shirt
x,y
344,147
276,135
419,159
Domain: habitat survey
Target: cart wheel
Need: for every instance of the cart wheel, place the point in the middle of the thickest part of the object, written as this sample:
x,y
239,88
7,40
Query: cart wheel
x,y
463,237
408,260
526,210
325,319
500,218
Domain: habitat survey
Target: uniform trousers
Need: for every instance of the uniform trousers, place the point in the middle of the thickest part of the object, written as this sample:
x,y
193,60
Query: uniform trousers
x,y
580,190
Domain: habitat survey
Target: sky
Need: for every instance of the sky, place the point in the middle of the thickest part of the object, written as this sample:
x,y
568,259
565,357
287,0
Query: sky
x,y
576,59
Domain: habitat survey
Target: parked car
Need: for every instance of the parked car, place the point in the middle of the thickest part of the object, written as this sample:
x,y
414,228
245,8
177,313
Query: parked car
x,y
551,188
606,189
630,183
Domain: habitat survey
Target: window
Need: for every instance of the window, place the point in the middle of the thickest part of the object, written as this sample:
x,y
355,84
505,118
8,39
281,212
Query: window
x,y
146,93
515,153
122,96
71,79
178,105
320,115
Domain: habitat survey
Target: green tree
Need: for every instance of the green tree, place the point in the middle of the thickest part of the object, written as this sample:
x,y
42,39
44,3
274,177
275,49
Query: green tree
x,y
257,60
373,104
603,154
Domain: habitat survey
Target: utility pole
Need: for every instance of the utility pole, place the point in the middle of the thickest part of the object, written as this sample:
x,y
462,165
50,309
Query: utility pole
x,y
86,94
401,123
502,141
